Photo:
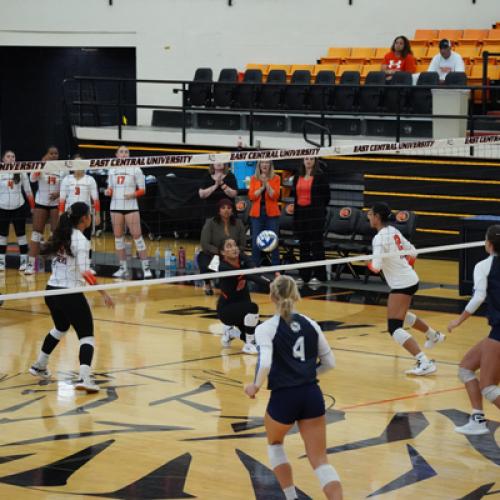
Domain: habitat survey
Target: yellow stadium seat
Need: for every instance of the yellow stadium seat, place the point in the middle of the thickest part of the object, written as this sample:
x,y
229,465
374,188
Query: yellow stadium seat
x,y
422,67
336,55
324,67
307,67
419,51
349,67
452,35
472,37
423,37
369,67
468,52
379,54
360,55
492,37
491,48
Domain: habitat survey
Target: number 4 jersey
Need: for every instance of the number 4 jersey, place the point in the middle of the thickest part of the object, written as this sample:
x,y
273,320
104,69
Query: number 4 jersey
x,y
296,348
397,270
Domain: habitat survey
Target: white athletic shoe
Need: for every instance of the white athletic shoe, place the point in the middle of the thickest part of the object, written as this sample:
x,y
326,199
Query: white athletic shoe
x,y
88,385
229,333
423,368
29,269
474,427
121,273
23,262
39,372
430,343
250,349
147,273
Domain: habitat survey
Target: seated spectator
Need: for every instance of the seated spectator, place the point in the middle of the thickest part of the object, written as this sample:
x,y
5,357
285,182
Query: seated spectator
x,y
264,193
219,183
446,61
217,229
400,58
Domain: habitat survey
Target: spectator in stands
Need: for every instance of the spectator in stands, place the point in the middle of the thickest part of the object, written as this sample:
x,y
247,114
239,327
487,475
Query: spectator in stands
x,y
217,229
312,195
400,58
264,193
446,61
218,184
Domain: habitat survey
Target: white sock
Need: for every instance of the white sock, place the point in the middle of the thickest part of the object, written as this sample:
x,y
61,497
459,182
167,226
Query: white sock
x,y
249,338
42,360
31,261
476,412
431,334
84,371
290,493
145,264
422,357
123,264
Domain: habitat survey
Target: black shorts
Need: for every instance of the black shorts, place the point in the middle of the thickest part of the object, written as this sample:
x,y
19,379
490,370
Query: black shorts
x,y
290,404
46,207
411,290
124,212
495,333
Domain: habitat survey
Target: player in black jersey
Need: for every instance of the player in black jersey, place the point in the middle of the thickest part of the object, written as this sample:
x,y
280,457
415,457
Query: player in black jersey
x,y
235,307
289,347
485,355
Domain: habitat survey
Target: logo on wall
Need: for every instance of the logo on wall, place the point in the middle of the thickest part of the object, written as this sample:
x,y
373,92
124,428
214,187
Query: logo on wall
x,y
402,216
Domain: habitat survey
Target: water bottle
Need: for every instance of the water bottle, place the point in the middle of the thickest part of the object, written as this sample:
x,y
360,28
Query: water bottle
x,y
168,255
173,265
157,262
196,267
182,258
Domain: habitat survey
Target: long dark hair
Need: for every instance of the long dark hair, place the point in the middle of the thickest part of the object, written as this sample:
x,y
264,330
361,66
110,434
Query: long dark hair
x,y
493,236
406,47
317,169
383,210
61,239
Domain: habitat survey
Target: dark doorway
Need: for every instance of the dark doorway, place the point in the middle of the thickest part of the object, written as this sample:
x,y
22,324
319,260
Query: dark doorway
x,y
31,92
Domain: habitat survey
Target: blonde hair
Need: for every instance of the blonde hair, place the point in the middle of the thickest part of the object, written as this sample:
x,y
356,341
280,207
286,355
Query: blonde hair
x,y
284,292
258,173
227,167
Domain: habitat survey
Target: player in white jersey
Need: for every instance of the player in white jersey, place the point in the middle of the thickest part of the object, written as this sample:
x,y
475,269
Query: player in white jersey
x,y
46,206
13,210
290,345
485,355
403,281
70,269
81,187
125,185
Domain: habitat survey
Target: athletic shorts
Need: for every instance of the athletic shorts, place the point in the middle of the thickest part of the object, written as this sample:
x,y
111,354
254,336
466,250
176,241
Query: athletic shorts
x,y
124,212
495,333
290,404
411,290
45,207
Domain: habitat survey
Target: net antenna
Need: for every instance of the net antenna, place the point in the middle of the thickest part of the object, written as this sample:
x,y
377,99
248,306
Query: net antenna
x,y
310,124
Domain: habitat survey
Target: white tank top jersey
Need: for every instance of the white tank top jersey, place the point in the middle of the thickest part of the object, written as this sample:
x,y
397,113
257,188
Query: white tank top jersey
x,y
124,181
11,195
48,183
397,271
83,189
66,269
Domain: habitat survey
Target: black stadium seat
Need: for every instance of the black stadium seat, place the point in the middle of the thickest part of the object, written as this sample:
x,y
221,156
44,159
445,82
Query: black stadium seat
x,y
200,90
371,99
456,78
346,91
295,93
421,99
321,93
225,87
247,95
391,95
272,92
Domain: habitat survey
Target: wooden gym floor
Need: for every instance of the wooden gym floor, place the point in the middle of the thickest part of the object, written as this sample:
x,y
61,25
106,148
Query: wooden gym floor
x,y
171,420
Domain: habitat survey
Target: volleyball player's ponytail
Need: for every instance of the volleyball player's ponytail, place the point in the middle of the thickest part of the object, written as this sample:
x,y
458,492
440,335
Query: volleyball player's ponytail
x,y
61,239
284,292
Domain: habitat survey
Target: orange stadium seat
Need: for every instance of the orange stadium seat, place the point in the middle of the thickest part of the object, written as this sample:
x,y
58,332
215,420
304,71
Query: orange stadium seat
x,y
452,35
336,55
472,37
379,54
492,37
491,48
424,37
419,51
348,67
421,67
431,52
468,52
360,55
307,67
369,67
324,67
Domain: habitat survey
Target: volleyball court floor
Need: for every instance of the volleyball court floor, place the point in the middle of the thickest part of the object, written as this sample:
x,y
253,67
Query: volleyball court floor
x,y
172,421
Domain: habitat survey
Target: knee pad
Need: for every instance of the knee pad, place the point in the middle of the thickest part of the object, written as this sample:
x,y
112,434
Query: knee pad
x,y
326,473
251,320
3,241
491,393
36,236
22,240
465,375
87,340
120,243
139,244
394,324
277,455
410,319
57,334
401,336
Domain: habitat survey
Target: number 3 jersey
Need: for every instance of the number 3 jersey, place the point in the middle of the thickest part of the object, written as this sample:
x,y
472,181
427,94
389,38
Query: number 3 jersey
x,y
296,347
124,181
397,271
83,189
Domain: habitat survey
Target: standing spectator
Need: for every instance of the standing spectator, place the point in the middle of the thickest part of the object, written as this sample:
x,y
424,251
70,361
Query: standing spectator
x,y
446,61
219,183
264,193
312,195
400,58
13,210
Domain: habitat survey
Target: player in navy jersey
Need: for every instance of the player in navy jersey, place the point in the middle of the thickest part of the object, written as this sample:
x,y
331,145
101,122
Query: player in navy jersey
x,y
70,269
403,280
235,307
289,347
485,355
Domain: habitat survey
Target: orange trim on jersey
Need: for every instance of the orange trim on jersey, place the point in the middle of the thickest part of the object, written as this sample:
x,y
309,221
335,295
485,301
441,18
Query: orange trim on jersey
x,y
410,259
62,204
109,192
97,206
140,192
89,278
372,268
31,201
